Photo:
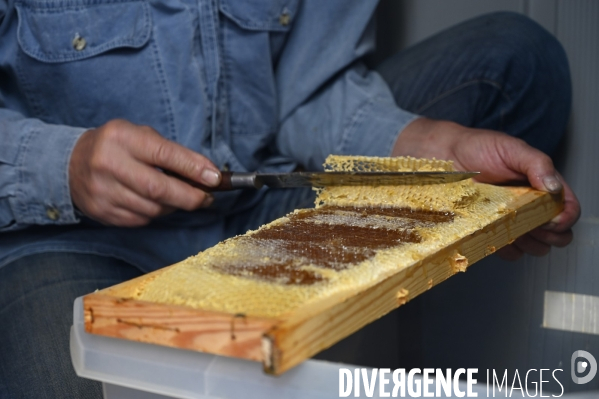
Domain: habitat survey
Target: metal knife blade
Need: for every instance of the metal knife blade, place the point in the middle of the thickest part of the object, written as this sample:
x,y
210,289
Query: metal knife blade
x,y
324,179
238,180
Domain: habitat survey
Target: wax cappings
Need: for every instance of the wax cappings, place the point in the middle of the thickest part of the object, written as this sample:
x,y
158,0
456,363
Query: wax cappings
x,y
356,237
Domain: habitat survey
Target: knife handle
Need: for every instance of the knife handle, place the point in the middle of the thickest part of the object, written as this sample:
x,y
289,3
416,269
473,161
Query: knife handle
x,y
229,181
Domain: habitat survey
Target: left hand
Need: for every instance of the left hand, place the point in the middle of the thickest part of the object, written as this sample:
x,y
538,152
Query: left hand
x,y
501,159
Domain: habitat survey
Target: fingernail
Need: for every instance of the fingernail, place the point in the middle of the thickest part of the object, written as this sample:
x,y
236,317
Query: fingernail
x,y
210,177
552,184
552,224
208,200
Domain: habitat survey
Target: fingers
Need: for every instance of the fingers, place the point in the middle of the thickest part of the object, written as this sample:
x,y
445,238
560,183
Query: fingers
x,y
537,243
159,188
124,218
552,238
129,200
542,175
524,244
532,246
569,216
113,177
124,207
155,150
511,253
536,165
103,210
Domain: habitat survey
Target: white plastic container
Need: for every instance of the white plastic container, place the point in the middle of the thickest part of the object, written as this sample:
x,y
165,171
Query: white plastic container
x,y
135,370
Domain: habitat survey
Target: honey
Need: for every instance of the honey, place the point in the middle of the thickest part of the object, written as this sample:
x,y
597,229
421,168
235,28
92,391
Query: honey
x,y
331,237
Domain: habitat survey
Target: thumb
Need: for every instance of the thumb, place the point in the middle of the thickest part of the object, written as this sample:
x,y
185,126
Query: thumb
x,y
538,168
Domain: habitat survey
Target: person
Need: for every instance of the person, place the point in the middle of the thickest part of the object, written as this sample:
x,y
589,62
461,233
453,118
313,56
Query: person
x,y
99,99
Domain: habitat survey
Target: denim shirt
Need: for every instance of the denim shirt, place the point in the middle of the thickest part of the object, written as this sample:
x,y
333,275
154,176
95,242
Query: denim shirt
x,y
252,85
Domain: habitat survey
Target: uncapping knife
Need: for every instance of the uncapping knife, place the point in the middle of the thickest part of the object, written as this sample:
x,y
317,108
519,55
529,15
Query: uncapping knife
x,y
239,180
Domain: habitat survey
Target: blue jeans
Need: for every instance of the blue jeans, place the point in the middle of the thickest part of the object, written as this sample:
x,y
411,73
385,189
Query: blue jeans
x,y
500,71
36,312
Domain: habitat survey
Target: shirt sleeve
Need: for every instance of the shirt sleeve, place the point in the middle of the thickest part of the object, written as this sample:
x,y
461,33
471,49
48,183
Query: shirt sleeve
x,y
34,160
330,103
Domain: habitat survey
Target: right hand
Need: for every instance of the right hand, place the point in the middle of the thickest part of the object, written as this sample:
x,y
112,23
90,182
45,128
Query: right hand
x,y
114,179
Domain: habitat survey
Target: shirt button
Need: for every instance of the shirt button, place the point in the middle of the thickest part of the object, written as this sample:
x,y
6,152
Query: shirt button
x,y
284,18
52,213
79,43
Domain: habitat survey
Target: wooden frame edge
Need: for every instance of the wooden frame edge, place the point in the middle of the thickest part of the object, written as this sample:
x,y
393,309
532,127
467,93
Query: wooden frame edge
x,y
176,326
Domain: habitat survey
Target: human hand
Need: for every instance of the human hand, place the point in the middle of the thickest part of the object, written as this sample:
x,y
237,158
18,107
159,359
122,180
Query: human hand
x,y
113,177
501,159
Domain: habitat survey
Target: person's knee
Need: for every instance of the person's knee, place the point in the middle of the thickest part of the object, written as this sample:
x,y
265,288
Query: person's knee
x,y
536,76
531,48
517,27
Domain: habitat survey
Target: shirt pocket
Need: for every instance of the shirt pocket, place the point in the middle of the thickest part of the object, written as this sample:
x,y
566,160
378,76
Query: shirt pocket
x,y
85,62
271,15
70,33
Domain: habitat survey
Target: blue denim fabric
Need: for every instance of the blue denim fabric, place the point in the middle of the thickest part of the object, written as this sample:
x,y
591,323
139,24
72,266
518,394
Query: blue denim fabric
x,y
260,85
36,312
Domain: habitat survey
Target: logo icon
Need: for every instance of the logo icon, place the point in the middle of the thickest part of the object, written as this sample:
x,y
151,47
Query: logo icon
x,y
582,366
